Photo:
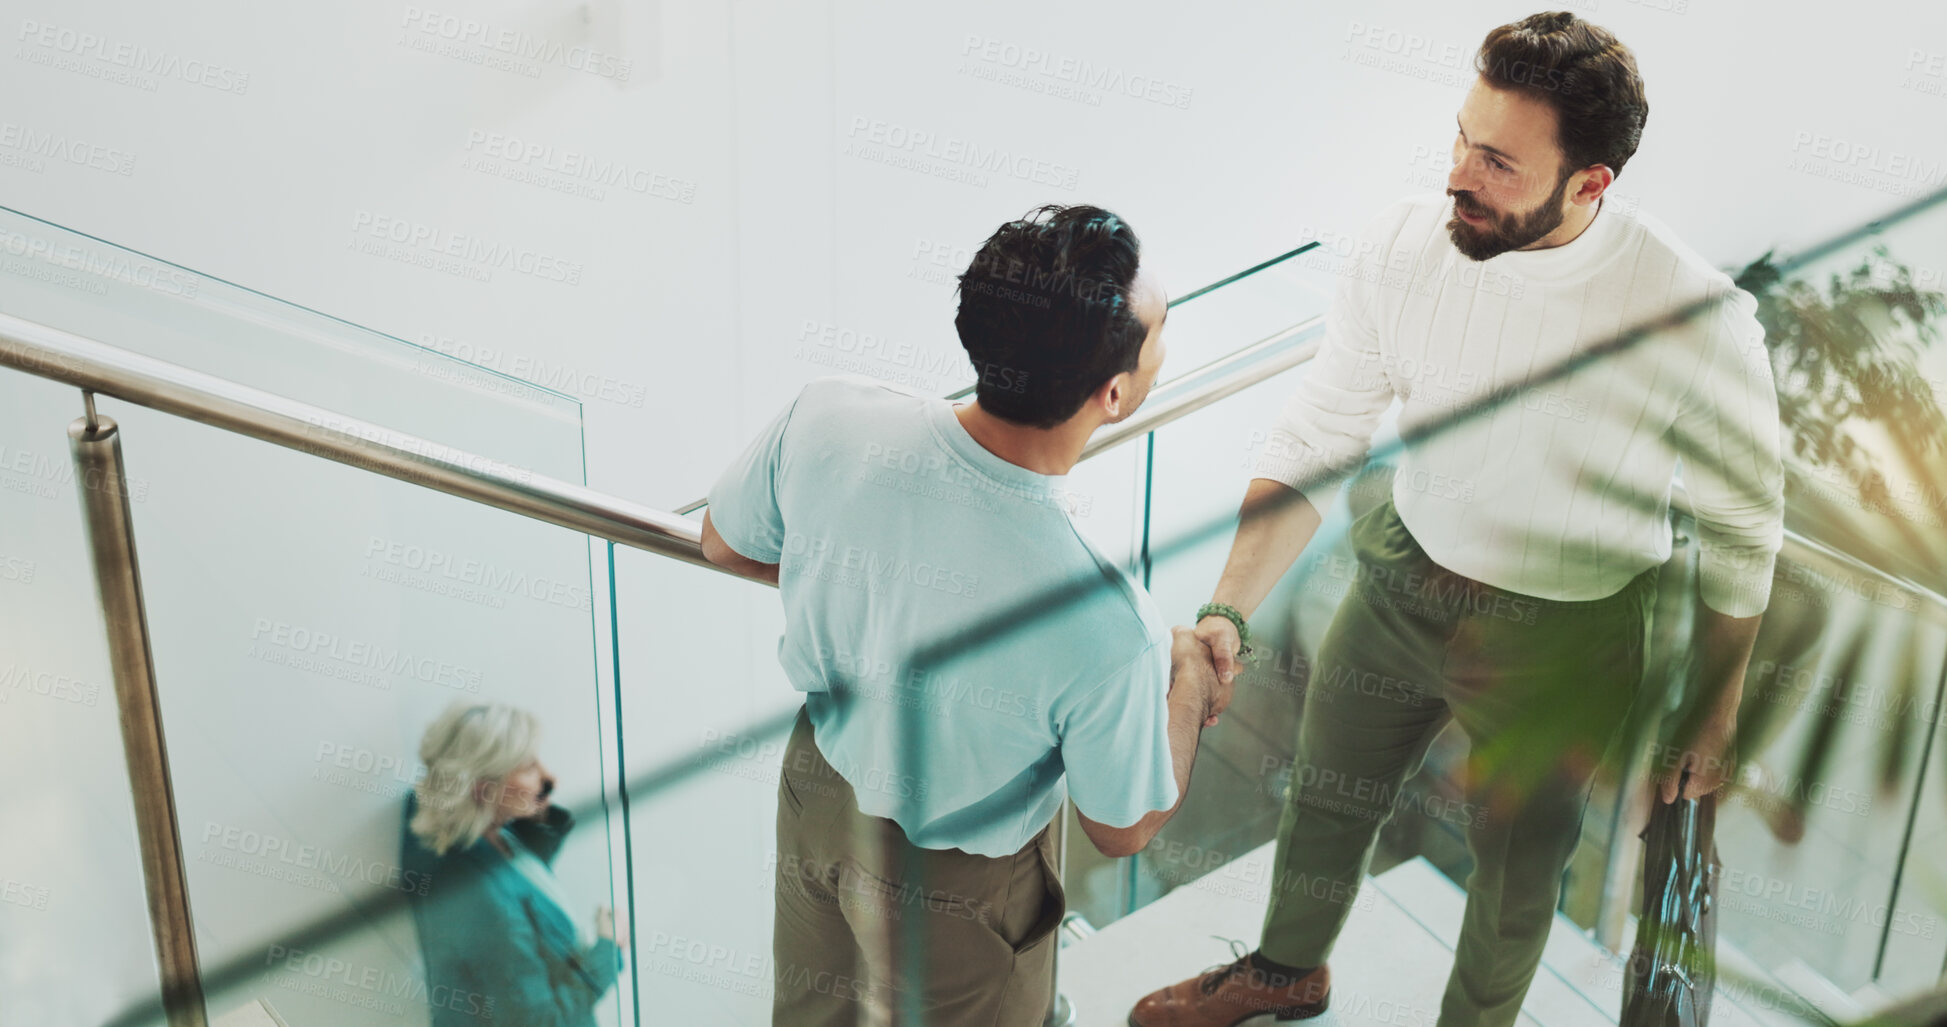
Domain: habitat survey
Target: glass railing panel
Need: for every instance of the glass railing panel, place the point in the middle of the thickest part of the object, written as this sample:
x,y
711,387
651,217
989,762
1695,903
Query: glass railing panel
x,y
1270,298
1916,948
1211,320
1841,701
704,728
1857,338
96,289
1839,704
310,621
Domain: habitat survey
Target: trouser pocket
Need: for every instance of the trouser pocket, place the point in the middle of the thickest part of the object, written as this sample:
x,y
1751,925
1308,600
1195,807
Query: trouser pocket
x,y
1054,898
1030,981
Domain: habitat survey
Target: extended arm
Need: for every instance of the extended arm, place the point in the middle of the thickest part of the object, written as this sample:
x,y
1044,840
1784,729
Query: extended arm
x,y
1323,432
1192,681
1727,433
1273,527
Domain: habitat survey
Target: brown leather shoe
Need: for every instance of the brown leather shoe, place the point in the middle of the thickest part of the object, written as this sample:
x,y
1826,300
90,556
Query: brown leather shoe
x,y
1229,995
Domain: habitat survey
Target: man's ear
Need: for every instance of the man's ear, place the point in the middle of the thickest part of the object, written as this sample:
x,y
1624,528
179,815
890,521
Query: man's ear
x,y
1597,183
1112,395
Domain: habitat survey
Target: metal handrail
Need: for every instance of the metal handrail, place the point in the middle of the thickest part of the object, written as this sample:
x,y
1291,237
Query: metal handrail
x,y
65,357
97,367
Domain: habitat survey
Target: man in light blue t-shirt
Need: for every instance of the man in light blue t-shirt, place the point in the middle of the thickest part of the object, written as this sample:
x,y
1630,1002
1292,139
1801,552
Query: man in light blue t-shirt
x,y
969,659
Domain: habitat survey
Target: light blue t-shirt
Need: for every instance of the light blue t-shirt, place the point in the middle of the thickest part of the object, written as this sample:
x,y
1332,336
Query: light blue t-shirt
x,y
962,647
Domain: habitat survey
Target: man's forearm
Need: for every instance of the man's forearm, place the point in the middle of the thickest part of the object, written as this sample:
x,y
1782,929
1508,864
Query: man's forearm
x,y
1274,525
1724,653
1706,739
1186,730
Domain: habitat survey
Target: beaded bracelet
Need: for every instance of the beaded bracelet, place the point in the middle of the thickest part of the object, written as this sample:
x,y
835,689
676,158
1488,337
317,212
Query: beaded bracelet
x,y
1229,613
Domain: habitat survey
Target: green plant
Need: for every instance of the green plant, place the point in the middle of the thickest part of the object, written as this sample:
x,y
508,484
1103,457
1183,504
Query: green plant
x,y
1848,354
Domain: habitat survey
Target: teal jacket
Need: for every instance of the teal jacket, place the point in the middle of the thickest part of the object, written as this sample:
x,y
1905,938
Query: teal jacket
x,y
497,951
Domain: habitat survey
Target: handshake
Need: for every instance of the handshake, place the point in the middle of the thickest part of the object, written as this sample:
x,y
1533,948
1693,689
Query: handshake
x,y
1203,667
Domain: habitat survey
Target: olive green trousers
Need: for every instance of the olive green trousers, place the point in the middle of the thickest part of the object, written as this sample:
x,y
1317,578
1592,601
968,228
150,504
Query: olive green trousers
x,y
1539,687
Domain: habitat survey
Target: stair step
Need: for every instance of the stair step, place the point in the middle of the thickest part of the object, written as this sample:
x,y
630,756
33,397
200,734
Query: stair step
x,y
1755,992
1441,905
256,1014
1387,968
1576,961
1554,998
1391,962
1871,1000
1824,996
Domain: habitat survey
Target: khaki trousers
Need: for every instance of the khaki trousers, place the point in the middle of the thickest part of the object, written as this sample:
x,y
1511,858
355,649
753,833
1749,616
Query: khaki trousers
x,y
872,930
1539,687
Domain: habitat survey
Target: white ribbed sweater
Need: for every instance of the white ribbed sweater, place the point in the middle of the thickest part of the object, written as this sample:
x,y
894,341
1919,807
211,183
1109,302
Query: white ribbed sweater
x,y
1562,491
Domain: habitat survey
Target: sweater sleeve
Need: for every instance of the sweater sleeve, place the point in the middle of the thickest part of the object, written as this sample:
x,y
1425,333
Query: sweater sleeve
x,y
1325,429
1727,433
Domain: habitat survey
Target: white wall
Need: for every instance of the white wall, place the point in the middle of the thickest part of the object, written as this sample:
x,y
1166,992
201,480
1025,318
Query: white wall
x,y
758,223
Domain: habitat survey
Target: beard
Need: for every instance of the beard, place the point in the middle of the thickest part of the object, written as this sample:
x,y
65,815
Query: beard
x,y
1503,232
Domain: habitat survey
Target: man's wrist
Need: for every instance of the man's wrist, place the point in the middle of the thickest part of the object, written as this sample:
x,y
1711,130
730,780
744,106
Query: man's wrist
x,y
1231,614
1728,698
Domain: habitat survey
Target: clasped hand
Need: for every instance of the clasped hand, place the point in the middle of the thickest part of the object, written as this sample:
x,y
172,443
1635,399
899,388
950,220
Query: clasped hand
x,y
1195,674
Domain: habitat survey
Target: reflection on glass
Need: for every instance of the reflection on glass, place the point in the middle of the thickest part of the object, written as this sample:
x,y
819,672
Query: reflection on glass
x,y
502,940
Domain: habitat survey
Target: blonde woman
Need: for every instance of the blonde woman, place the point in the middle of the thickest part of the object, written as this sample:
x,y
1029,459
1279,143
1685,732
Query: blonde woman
x,y
497,933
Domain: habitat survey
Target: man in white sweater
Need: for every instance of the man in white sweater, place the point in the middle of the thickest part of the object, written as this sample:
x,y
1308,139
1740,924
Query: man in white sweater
x,y
1508,582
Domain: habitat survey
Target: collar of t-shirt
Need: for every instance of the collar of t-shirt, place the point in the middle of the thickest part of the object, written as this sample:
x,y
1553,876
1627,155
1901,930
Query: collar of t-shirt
x,y
1011,477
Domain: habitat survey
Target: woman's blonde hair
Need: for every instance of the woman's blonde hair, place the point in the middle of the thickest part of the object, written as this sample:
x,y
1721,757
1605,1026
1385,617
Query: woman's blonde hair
x,y
468,744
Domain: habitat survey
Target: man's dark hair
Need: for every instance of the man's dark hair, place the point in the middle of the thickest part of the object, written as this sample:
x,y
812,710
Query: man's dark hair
x,y
1045,313
1581,71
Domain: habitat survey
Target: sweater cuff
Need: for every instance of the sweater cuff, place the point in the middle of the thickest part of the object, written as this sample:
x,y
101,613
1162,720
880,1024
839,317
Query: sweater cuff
x,y
1735,580
1290,462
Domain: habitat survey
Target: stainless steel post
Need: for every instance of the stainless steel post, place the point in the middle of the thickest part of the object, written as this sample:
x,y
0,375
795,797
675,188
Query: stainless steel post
x,y
99,479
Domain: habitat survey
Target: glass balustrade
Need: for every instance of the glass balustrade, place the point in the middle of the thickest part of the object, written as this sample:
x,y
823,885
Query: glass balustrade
x,y
309,619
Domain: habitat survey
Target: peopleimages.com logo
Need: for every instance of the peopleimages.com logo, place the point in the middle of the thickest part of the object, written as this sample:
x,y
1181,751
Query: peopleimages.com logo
x,y
482,575
38,147
513,43
458,253
949,156
119,61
